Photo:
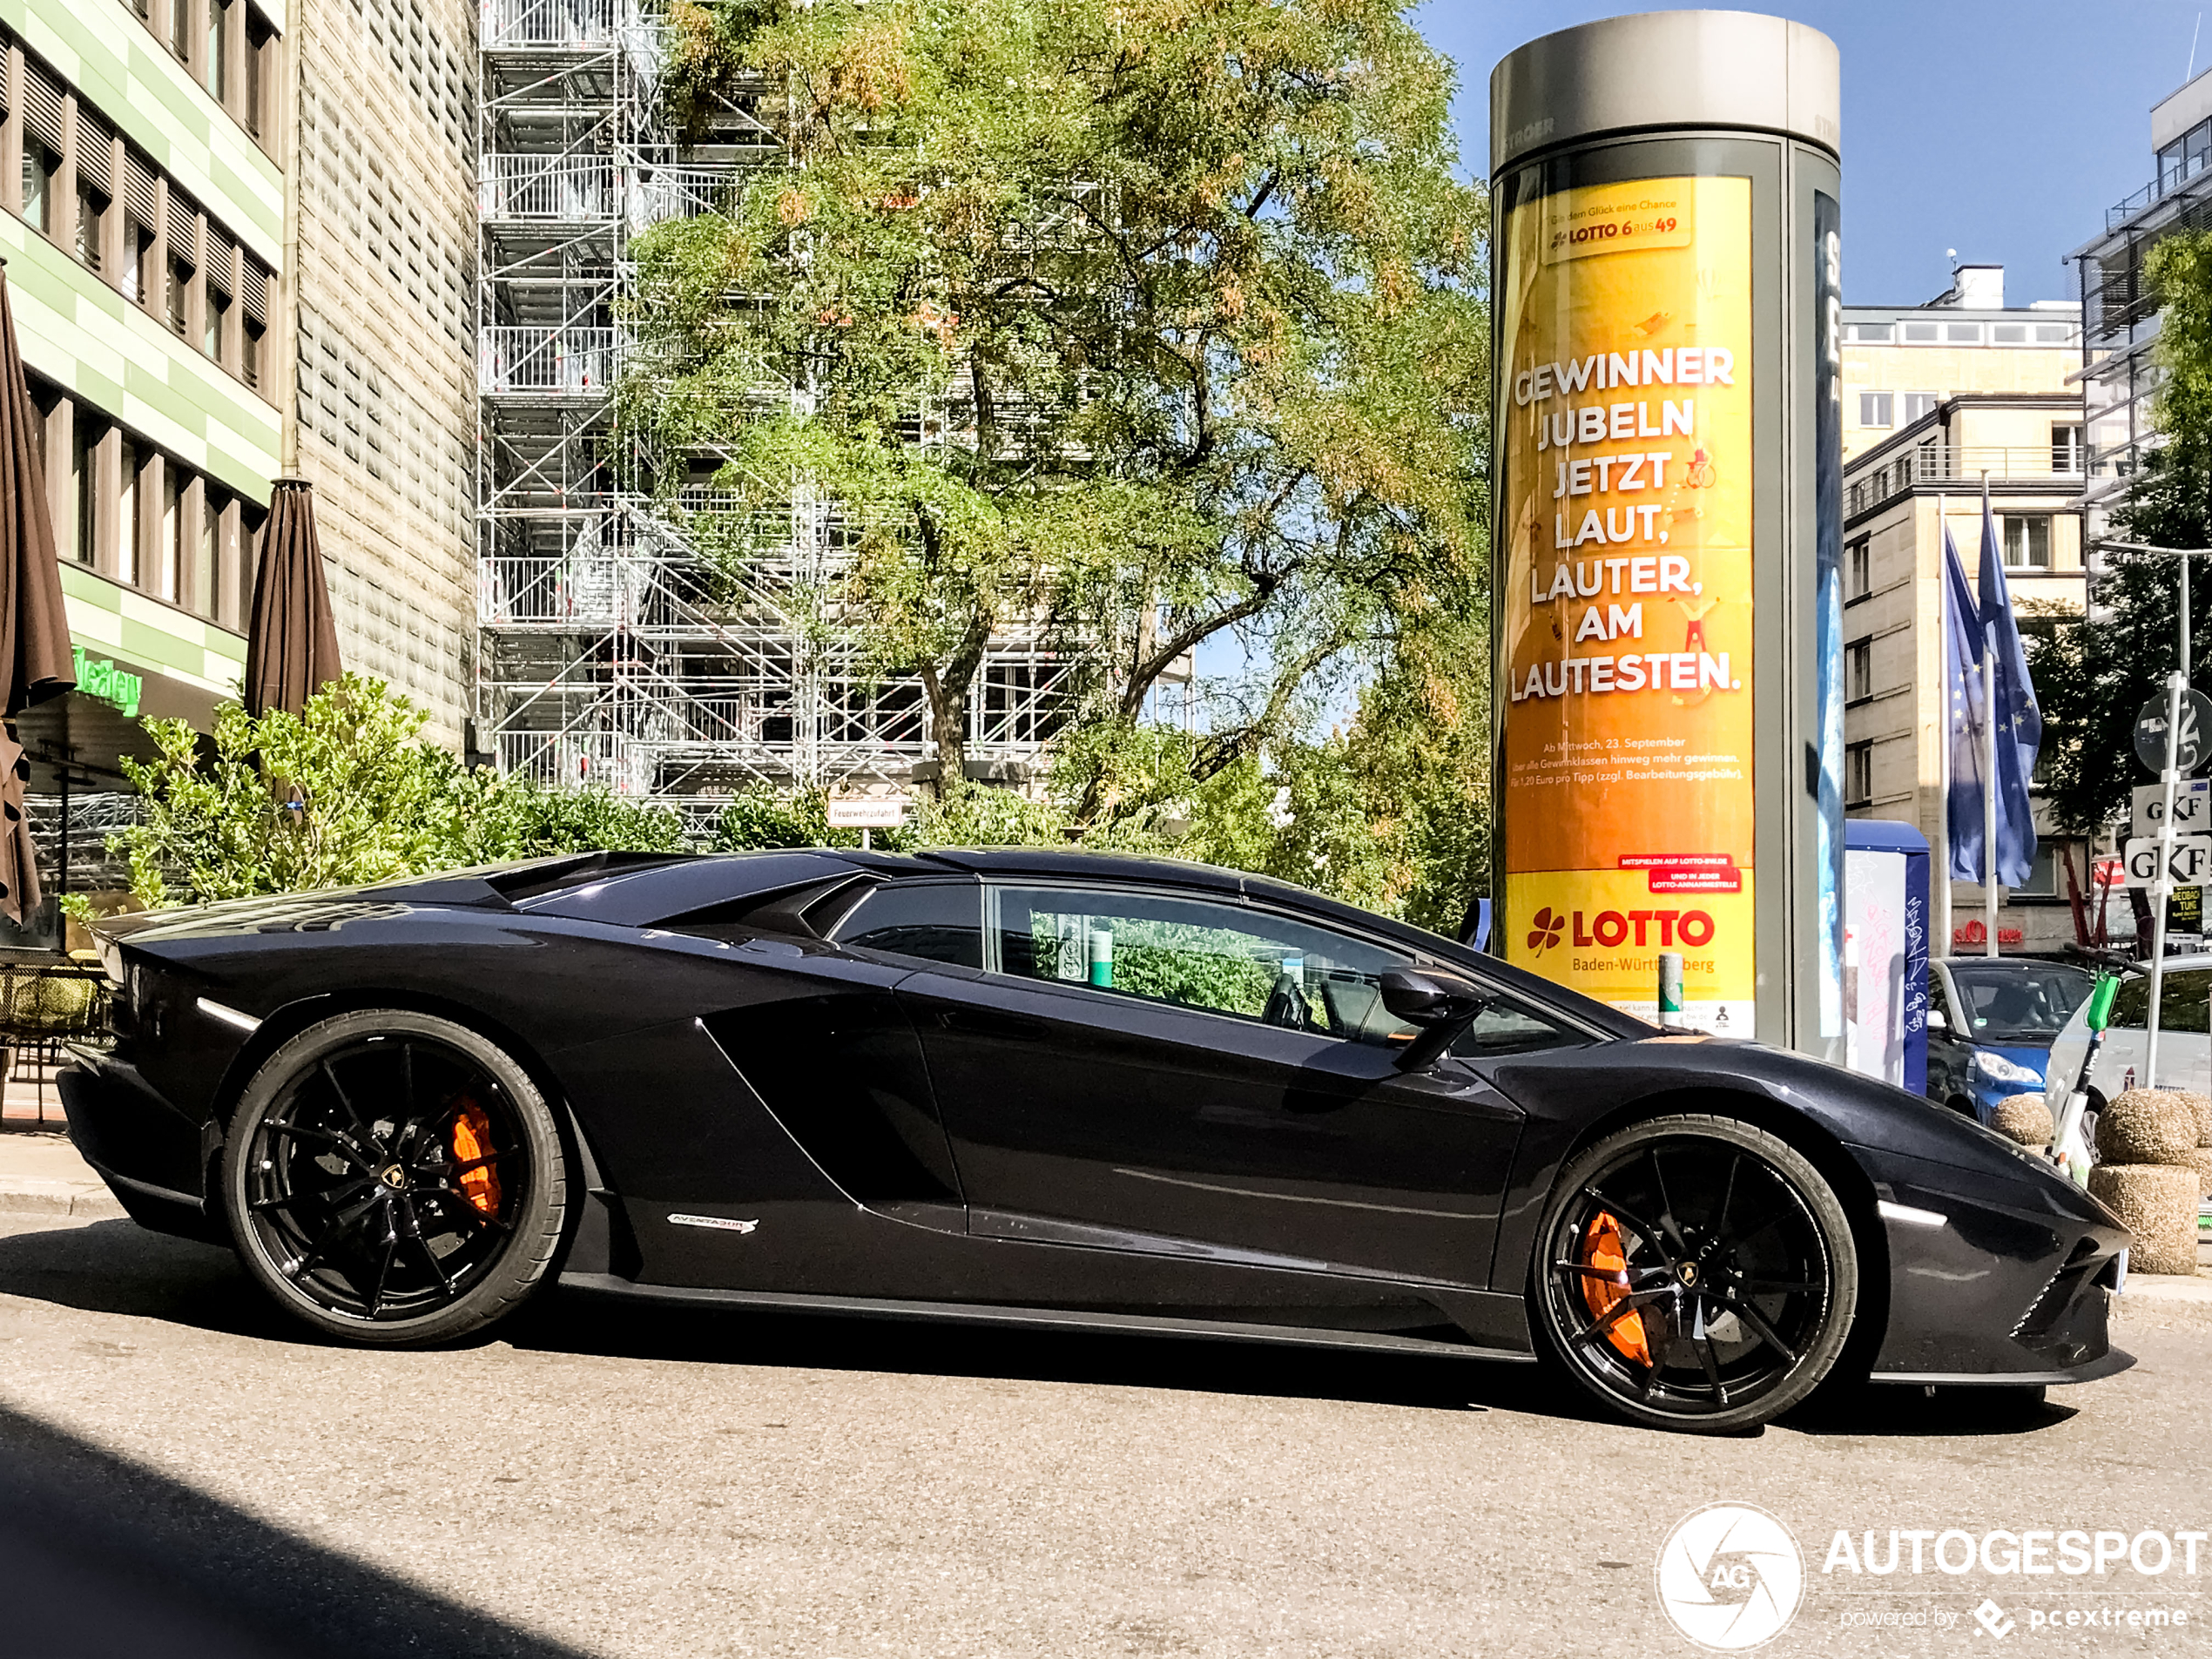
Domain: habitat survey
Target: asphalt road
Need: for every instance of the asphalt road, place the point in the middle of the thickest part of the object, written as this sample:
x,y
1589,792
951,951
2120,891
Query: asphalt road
x,y
181,1473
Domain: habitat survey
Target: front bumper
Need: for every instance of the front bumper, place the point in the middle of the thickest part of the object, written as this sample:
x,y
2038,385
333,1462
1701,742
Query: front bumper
x,y
1993,1280
153,1158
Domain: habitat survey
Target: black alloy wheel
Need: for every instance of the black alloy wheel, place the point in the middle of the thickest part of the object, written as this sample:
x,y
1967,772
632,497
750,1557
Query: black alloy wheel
x,y
1697,1273
393,1178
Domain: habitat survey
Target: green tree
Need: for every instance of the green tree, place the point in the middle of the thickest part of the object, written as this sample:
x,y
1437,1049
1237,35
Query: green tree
x,y
1132,323
2091,677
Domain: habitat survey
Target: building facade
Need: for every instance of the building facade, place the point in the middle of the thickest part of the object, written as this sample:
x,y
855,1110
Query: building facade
x,y
2119,376
384,346
1938,398
143,228
199,316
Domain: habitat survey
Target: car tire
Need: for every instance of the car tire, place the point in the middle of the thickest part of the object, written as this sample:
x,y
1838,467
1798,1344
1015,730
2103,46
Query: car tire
x,y
1694,1272
395,1179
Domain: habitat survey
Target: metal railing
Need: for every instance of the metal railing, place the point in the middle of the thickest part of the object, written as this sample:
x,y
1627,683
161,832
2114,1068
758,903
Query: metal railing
x,y
554,189
660,194
577,24
1962,464
564,361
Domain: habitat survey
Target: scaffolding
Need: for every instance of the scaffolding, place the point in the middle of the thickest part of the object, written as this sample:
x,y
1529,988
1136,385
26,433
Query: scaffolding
x,y
614,651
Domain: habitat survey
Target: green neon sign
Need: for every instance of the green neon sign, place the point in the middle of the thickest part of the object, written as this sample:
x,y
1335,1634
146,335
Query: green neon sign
x,y
98,677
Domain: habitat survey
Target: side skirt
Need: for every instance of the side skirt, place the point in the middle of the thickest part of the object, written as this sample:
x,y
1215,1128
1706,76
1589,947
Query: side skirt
x,y
1032,1319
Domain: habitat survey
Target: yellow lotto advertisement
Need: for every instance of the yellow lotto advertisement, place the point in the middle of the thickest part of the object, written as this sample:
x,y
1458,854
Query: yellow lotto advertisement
x,y
1625,772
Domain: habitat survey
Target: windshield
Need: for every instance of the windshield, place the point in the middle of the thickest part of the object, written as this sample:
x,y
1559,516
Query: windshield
x,y
2019,1003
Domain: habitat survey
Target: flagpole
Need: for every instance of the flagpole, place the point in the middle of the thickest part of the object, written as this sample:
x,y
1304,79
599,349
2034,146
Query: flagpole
x,y
1989,754
1943,747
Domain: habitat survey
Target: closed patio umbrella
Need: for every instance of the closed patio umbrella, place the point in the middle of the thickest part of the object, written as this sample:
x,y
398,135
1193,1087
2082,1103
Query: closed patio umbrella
x,y
34,626
292,641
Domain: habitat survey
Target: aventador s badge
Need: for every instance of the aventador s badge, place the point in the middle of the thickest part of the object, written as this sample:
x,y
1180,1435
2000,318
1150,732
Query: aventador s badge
x,y
728,1224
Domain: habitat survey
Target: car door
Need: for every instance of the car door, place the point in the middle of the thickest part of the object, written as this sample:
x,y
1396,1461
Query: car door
x,y
1144,1070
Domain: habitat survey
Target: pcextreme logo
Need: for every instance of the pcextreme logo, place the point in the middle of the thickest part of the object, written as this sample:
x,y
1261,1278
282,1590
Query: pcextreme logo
x,y
1611,927
1730,1577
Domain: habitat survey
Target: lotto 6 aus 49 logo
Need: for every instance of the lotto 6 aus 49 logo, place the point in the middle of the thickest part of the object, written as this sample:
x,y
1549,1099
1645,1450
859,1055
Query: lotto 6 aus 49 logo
x,y
1730,1577
1545,932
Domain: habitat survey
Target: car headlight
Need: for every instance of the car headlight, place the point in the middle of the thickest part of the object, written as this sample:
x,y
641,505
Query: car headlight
x,y
1995,1069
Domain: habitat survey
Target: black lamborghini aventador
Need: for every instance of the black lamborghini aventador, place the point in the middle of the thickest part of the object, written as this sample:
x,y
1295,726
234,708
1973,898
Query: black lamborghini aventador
x,y
1055,1089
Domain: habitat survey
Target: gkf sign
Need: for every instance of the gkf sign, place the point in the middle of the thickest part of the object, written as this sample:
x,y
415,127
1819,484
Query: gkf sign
x,y
2188,866
2192,805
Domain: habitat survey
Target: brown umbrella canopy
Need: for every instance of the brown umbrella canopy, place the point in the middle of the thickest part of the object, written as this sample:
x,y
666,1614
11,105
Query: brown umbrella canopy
x,y
292,643
34,627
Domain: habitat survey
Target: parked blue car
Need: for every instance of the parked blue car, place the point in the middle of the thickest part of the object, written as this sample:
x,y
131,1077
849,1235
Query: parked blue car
x,y
1991,1024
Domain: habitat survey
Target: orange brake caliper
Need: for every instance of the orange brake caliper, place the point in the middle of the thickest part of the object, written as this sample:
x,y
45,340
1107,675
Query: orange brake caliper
x,y
472,1140
1603,1250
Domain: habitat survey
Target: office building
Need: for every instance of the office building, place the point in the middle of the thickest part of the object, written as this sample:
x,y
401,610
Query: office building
x,y
1937,398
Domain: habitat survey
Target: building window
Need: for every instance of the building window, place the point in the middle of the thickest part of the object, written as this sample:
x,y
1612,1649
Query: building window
x,y
86,434
2028,541
1921,333
1962,333
180,29
1859,669
179,296
91,221
2066,448
204,581
129,529
169,549
259,48
1858,775
1871,332
249,355
1877,408
1858,569
2008,334
40,164
1920,403
219,310
218,55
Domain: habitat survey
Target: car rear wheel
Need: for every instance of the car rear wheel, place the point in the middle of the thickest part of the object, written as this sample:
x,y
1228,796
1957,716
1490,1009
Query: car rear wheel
x,y
1695,1272
395,1179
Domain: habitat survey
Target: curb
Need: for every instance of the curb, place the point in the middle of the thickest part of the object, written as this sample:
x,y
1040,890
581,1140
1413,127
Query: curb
x,y
2167,1287
28,1196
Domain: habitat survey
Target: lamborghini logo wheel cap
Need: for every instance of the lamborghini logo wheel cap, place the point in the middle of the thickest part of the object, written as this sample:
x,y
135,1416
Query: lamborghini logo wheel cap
x,y
393,1177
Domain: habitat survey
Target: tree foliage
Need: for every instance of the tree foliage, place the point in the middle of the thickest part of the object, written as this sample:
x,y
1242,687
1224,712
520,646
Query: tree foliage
x,y
1133,322
2092,675
345,794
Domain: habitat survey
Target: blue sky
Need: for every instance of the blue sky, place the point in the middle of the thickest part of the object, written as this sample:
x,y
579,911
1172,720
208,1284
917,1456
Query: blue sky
x,y
2002,129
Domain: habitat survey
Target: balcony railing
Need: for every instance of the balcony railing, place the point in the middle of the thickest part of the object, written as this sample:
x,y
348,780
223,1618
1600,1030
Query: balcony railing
x,y
1964,465
555,189
565,361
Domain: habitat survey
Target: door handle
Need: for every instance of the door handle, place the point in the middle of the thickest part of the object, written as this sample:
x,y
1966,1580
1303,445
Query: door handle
x,y
982,1023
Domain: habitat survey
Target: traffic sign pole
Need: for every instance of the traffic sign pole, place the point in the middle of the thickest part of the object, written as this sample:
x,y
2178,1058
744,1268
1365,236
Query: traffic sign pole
x,y
2174,687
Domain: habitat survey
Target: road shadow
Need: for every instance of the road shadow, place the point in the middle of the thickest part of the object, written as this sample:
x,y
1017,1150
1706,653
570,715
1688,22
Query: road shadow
x,y
118,1267
107,1559
583,1322
1902,1410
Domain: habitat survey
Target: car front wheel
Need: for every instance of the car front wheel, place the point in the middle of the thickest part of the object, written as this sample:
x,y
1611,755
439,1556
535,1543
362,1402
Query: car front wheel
x,y
1695,1272
395,1179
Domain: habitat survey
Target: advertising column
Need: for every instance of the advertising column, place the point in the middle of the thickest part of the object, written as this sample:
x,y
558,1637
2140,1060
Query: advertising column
x,y
1628,778
1666,610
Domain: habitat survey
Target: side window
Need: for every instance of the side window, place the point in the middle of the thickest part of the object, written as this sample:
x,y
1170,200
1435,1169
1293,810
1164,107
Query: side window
x,y
1506,1027
1222,958
938,921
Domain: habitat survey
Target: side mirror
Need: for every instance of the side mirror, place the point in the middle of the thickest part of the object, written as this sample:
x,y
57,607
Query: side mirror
x,y
1442,1003
1935,1022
